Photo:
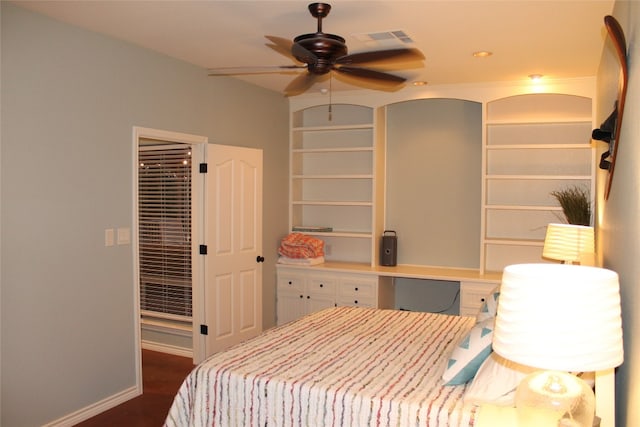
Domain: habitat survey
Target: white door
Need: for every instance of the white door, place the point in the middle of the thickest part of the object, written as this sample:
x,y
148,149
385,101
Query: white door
x,y
233,236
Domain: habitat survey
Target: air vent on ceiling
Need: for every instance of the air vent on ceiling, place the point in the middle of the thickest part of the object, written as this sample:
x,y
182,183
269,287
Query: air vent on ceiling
x,y
393,37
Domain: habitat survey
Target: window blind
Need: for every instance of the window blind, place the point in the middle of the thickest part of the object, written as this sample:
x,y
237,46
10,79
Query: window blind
x,y
164,224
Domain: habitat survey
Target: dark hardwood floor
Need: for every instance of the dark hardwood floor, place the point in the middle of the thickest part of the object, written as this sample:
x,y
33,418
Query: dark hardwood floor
x,y
162,375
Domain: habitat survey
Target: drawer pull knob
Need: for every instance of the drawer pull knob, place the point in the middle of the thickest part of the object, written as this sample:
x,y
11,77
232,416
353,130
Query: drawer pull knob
x,y
356,301
356,289
321,285
481,299
308,297
290,282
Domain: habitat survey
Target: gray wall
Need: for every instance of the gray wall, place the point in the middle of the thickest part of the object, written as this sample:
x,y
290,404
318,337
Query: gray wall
x,y
434,159
69,101
619,217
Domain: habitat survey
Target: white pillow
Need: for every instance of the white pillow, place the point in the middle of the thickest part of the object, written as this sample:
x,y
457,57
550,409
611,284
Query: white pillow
x,y
496,381
489,307
469,353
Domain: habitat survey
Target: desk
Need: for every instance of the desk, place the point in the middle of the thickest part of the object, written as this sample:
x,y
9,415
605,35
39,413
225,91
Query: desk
x,y
304,289
409,271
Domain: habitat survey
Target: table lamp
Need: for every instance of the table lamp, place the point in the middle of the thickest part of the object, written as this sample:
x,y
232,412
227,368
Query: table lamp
x,y
559,318
569,243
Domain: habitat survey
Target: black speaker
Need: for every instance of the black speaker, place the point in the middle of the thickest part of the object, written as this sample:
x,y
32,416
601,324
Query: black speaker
x,y
389,248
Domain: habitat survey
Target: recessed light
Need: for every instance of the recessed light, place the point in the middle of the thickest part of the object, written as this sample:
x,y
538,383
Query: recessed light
x,y
482,54
420,83
535,77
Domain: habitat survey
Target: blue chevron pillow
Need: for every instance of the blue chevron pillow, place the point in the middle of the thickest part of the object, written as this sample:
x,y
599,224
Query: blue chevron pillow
x,y
469,353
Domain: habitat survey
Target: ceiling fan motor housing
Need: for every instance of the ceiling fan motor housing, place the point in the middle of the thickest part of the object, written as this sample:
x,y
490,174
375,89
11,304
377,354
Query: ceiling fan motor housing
x,y
326,47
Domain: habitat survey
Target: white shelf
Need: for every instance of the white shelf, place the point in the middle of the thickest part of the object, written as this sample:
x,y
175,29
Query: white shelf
x,y
523,208
515,242
330,203
342,176
338,233
538,146
538,121
332,150
331,128
538,177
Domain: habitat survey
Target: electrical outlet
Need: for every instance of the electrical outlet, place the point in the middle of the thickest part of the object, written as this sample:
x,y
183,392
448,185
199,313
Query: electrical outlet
x,y
327,249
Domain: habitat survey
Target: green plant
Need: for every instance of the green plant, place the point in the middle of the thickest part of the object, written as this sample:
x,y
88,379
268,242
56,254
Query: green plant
x,y
575,204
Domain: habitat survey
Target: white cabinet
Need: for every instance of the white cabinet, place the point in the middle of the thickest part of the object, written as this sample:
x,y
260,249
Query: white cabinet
x,y
358,291
306,290
291,292
333,178
473,295
300,292
535,144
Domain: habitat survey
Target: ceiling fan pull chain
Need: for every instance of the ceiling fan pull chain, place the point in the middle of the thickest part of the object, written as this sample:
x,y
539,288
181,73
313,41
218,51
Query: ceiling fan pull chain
x,y
330,93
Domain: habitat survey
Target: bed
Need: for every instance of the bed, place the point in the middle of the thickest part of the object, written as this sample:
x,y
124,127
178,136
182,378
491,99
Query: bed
x,y
342,366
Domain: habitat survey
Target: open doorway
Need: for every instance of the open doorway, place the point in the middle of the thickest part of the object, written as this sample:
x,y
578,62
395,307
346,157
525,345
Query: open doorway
x,y
167,227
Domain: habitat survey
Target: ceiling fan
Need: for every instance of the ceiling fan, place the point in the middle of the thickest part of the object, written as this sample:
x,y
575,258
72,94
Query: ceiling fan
x,y
321,53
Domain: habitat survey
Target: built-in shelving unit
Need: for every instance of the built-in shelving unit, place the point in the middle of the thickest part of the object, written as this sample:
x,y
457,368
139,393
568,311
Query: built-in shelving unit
x,y
335,159
535,144
532,144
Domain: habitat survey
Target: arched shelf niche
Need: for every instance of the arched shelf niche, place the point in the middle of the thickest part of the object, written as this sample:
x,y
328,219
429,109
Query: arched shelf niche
x,y
432,176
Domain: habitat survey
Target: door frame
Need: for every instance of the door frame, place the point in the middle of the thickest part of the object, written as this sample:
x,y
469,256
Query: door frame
x,y
198,156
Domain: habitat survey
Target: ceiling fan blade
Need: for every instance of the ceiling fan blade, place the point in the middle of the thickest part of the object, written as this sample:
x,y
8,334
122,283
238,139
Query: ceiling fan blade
x,y
300,84
281,45
236,71
292,50
303,54
382,56
368,74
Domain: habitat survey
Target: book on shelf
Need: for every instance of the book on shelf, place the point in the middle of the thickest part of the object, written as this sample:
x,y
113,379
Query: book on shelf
x,y
312,228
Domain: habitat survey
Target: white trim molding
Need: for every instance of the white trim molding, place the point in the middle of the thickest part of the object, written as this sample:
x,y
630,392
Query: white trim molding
x,y
94,409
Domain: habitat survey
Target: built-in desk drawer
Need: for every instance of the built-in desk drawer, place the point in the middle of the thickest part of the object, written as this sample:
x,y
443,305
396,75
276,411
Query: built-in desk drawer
x,y
472,295
355,301
358,291
358,287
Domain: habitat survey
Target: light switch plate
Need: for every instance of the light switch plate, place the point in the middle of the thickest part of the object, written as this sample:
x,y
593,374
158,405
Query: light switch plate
x,y
124,235
109,238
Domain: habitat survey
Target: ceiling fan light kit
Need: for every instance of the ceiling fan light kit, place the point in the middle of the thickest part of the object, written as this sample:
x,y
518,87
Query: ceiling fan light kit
x,y
321,53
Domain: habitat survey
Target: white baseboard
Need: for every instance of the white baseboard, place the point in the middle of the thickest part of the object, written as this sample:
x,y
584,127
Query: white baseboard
x,y
118,398
95,408
167,348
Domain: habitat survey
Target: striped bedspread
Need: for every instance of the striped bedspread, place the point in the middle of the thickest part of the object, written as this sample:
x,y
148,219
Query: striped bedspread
x,y
342,366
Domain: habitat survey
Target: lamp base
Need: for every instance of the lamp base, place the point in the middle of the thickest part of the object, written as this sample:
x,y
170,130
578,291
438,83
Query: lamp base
x,y
554,399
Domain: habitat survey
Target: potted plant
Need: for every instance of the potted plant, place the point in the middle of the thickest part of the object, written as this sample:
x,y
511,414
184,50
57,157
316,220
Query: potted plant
x,y
575,204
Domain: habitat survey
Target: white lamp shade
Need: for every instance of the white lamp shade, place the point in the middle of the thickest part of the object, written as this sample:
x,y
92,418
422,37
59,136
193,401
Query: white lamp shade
x,y
559,316
568,242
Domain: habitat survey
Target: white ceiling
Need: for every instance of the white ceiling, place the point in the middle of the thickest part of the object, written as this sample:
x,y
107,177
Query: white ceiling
x,y
556,38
